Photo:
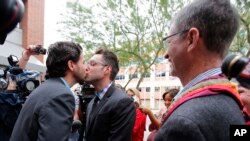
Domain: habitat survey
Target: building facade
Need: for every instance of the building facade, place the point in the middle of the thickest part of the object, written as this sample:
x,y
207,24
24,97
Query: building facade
x,y
152,86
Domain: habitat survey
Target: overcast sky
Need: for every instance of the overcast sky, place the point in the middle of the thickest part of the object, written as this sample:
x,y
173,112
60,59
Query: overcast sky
x,y
53,9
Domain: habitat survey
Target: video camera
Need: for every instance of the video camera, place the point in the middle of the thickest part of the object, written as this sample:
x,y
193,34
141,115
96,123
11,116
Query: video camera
x,y
39,49
85,96
25,80
87,92
236,66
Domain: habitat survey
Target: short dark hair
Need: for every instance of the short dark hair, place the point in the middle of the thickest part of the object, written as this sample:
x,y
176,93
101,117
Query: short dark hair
x,y
171,92
110,59
216,20
59,54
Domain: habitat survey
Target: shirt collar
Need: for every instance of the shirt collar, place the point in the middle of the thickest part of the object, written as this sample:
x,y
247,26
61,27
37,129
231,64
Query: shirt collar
x,y
102,92
65,84
198,78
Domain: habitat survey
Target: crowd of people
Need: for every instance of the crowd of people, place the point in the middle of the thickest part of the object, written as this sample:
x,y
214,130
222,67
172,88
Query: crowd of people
x,y
202,110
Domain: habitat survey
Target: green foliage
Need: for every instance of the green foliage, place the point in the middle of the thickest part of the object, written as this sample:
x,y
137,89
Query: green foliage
x,y
132,29
241,43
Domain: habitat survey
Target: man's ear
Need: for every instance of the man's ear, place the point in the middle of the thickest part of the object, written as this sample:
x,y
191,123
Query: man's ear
x,y
71,65
193,37
108,69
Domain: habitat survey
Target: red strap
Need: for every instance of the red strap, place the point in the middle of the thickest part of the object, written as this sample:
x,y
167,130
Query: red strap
x,y
205,91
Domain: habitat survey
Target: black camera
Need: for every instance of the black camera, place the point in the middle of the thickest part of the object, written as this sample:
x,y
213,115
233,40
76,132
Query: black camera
x,y
85,96
3,82
236,66
39,49
25,80
87,92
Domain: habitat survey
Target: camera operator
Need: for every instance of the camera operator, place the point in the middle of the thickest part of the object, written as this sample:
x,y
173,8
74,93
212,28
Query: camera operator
x,y
26,55
237,67
10,103
29,51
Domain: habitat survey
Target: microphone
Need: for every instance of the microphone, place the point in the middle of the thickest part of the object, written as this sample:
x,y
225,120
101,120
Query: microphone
x,y
236,66
77,124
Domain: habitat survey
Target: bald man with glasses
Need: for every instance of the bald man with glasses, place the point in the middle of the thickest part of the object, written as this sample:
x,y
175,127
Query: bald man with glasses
x,y
200,36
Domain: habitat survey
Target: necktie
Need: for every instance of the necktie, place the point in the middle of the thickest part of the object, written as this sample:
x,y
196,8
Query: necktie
x,y
96,100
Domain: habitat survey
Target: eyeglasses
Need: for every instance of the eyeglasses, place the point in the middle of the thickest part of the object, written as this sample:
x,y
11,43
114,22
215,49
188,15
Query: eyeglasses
x,y
94,63
165,38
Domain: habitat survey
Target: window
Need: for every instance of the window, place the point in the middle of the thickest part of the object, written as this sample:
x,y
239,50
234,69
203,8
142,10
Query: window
x,y
172,87
133,76
146,75
160,74
157,89
147,89
120,77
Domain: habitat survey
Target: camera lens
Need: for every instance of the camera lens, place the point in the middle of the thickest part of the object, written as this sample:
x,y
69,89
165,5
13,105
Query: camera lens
x,y
30,86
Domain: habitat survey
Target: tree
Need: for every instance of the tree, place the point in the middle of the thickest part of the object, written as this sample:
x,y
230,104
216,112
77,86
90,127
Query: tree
x,y
133,29
241,43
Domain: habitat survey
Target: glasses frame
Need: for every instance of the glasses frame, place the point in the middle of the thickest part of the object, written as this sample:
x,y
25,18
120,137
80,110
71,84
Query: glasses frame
x,y
180,32
96,63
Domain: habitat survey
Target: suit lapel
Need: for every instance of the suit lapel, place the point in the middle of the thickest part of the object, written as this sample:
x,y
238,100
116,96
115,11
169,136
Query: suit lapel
x,y
88,118
91,115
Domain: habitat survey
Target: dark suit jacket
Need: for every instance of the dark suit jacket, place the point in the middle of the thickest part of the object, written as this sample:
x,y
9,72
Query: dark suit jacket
x,y
47,114
113,119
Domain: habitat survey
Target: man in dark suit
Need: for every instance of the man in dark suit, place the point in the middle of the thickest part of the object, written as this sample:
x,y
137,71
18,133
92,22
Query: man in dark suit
x,y
47,114
111,114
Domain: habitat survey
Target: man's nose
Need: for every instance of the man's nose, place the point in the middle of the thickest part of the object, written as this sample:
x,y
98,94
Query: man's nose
x,y
86,68
166,56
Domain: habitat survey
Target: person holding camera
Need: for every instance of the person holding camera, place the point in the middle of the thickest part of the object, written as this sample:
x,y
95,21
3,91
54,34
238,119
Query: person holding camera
x,y
26,54
111,113
11,97
200,36
47,114
29,51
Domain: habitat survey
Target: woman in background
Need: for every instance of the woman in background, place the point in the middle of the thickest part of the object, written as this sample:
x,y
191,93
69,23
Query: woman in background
x,y
140,121
156,121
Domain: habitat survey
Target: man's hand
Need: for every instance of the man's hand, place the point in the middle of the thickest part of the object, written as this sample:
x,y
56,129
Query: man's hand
x,y
26,56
